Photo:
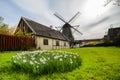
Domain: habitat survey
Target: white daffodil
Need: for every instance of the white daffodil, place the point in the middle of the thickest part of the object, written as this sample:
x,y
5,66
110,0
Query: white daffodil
x,y
71,61
65,55
61,59
33,58
37,66
24,60
75,57
14,61
31,62
56,57
48,58
42,60
36,62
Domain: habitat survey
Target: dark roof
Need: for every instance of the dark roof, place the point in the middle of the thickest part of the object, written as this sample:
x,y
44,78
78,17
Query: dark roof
x,y
42,30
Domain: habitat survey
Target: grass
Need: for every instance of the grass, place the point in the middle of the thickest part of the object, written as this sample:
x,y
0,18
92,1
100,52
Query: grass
x,y
101,63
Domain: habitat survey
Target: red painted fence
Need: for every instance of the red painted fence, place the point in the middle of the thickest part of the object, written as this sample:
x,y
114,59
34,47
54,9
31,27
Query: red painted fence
x,y
8,43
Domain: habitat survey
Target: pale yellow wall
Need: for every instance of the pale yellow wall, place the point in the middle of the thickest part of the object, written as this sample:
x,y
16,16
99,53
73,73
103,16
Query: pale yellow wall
x,y
51,43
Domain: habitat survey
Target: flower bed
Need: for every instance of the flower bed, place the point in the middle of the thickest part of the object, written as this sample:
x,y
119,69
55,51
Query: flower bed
x,y
46,61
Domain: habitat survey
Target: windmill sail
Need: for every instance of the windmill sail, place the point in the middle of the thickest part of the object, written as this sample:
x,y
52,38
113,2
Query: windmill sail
x,y
75,16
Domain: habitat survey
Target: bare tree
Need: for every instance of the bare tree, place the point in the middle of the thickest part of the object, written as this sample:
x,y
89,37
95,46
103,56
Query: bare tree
x,y
116,2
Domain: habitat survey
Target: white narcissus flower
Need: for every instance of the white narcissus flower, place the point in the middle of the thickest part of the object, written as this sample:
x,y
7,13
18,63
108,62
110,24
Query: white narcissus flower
x,y
31,62
37,66
65,55
24,60
61,59
36,62
70,55
19,57
48,58
33,58
14,61
43,60
56,57
71,61
75,57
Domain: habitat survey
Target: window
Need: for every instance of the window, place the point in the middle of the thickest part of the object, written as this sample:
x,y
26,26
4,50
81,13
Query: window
x,y
64,43
45,41
57,43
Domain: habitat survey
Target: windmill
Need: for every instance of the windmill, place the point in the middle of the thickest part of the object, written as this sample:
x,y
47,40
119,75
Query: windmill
x,y
66,28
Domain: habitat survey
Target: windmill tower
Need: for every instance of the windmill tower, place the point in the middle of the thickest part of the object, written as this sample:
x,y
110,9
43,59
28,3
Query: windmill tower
x,y
66,28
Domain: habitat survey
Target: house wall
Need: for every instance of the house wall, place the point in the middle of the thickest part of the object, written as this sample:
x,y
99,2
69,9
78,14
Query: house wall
x,y
51,43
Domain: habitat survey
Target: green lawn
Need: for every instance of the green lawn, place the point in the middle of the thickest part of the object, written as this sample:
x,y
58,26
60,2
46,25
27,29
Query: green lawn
x,y
100,63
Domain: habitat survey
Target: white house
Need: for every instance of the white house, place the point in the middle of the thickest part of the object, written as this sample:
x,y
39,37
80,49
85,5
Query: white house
x,y
45,37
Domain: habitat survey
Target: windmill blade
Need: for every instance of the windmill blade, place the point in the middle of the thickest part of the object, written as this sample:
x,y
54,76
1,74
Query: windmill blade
x,y
76,26
108,1
77,30
58,28
60,17
61,28
75,16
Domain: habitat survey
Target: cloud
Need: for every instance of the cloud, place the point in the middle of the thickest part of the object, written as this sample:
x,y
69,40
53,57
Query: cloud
x,y
45,9
97,23
37,7
107,19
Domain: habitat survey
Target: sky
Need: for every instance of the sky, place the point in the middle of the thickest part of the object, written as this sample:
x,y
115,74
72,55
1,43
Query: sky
x,y
95,19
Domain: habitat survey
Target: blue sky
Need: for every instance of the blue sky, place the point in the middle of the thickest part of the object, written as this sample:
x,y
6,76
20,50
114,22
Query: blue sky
x,y
94,21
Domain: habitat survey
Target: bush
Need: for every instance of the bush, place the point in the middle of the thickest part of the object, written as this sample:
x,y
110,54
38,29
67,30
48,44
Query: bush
x,y
46,61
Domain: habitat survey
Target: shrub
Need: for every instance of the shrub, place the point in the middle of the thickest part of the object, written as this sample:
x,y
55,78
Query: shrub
x,y
46,61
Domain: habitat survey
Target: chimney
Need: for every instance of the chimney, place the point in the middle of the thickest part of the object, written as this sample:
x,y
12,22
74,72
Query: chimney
x,y
51,26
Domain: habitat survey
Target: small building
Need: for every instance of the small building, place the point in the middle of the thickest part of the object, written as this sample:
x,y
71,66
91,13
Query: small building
x,y
45,37
113,32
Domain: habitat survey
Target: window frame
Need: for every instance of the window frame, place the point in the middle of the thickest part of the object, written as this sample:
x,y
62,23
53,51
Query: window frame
x,y
57,43
45,42
65,44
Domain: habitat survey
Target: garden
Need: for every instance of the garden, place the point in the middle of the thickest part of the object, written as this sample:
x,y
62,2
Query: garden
x,y
89,63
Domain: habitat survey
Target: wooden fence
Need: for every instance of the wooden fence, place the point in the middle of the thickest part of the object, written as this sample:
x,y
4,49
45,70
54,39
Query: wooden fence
x,y
8,43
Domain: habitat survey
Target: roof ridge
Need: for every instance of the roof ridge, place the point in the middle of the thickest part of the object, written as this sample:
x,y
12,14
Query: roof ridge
x,y
36,22
28,24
